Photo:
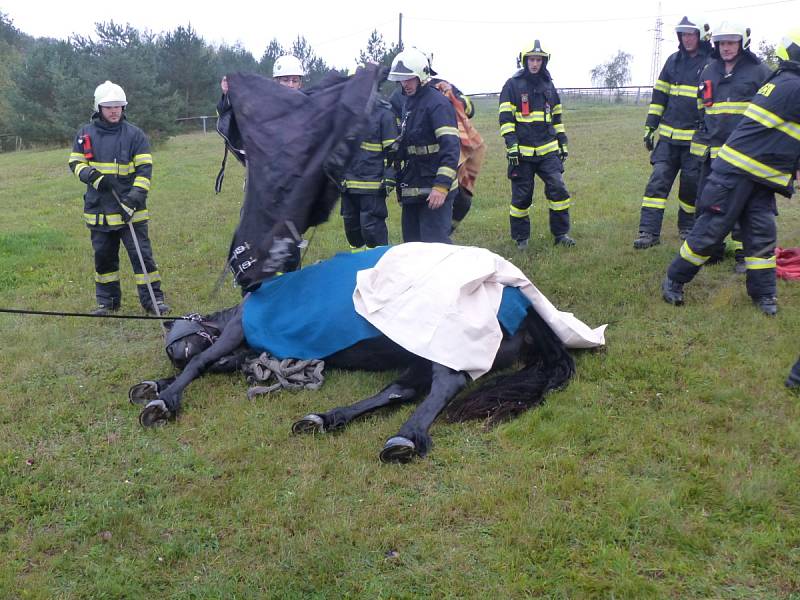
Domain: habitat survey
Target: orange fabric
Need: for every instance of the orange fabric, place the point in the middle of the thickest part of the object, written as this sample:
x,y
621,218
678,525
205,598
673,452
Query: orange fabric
x,y
473,149
788,263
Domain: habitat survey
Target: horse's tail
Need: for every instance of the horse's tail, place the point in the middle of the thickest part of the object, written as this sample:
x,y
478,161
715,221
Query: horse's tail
x,y
547,366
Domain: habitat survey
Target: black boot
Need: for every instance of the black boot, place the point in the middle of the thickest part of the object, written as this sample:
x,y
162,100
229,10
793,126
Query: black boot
x,y
767,305
739,266
646,240
563,240
672,291
793,381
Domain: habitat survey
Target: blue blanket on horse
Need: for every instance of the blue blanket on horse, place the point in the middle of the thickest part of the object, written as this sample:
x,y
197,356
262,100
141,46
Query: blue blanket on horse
x,y
309,313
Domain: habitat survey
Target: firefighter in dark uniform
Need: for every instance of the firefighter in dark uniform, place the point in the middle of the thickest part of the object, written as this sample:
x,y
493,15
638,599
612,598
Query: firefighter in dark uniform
x,y
462,202
727,83
536,144
760,157
673,113
428,150
368,180
112,157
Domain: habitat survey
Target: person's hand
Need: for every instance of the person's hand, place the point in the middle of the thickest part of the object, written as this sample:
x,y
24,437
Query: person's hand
x,y
649,132
389,184
436,198
126,210
512,154
563,153
224,85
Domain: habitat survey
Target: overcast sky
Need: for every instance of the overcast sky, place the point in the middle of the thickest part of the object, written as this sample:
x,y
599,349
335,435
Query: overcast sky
x,y
474,44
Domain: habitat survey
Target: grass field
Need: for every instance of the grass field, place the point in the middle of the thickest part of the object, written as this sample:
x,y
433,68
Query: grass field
x,y
668,468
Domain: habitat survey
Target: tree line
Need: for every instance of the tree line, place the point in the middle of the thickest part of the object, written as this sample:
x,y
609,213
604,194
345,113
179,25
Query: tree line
x,y
49,84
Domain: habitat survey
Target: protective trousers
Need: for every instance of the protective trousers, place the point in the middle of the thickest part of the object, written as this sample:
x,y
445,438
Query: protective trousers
x,y
726,199
364,217
421,224
106,265
667,159
718,252
549,169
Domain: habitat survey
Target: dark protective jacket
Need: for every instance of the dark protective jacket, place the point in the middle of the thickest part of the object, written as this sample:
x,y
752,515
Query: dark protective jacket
x,y
429,145
530,114
673,107
371,167
122,151
766,143
722,100
298,147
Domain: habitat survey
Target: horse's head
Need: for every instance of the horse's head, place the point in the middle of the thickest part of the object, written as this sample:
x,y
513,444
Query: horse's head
x,y
187,337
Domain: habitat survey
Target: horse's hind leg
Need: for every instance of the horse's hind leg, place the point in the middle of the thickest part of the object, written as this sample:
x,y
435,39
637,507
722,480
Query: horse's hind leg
x,y
413,437
415,379
145,391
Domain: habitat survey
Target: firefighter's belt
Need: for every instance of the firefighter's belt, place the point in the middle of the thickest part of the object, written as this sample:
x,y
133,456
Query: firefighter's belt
x,y
423,150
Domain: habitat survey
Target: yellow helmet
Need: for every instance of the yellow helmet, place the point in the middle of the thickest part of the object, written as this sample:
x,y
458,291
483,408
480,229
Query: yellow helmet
x,y
533,50
789,47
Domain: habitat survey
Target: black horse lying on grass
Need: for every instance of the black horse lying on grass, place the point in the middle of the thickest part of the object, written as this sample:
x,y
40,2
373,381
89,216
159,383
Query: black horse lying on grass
x,y
219,343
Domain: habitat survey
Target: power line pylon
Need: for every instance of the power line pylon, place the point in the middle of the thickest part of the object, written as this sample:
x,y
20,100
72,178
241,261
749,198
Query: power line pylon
x,y
655,66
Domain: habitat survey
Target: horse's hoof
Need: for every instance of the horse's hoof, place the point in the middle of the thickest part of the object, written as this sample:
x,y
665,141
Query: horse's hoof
x,y
142,393
154,414
398,449
309,424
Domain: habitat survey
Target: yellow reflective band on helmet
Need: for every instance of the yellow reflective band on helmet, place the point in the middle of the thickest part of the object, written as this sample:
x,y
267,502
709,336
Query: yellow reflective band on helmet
x,y
659,203
656,109
143,159
446,171
691,256
371,147
687,91
683,135
362,185
757,262
507,128
539,150
727,108
446,130
560,204
142,182
662,86
772,121
687,208
519,213
506,107
698,149
752,166
106,277
145,278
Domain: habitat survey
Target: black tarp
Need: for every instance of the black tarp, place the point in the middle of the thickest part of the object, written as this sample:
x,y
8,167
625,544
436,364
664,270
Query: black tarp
x,y
298,145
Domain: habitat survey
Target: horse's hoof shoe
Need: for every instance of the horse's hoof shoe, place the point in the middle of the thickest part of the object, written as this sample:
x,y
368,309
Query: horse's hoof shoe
x,y
309,424
154,414
142,393
398,449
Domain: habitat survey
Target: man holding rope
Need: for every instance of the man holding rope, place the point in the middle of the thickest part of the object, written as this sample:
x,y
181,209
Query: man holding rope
x,y
112,157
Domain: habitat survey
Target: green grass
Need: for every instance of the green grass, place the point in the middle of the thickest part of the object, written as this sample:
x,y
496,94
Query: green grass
x,y
668,468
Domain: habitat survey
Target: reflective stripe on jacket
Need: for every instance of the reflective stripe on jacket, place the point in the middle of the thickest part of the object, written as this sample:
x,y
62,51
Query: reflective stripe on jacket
x,y
370,166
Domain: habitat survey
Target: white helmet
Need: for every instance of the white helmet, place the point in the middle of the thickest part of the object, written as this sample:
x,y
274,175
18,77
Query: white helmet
x,y
109,94
288,65
410,63
729,31
696,25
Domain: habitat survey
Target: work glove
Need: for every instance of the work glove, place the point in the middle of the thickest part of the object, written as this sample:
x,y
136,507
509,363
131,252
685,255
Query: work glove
x,y
512,154
136,198
649,132
563,153
126,210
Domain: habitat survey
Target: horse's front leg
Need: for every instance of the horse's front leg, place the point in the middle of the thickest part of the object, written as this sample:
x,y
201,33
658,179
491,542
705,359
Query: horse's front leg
x,y
168,403
411,383
413,438
147,390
